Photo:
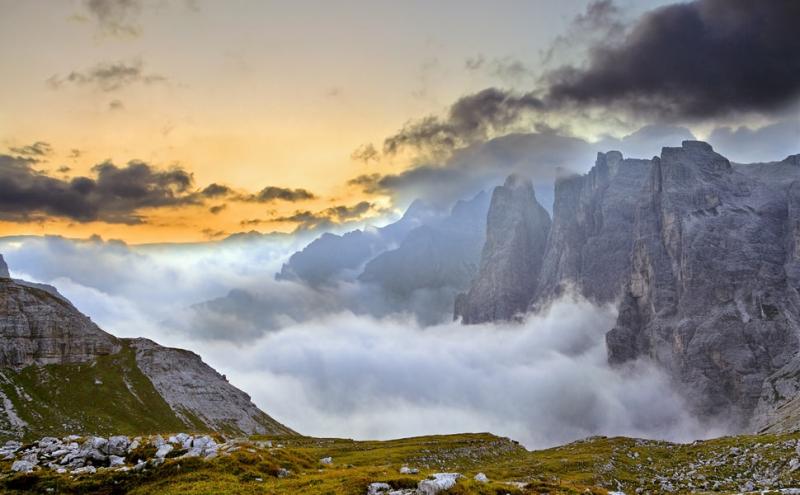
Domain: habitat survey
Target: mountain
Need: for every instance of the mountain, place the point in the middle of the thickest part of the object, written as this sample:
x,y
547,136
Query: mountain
x,y
516,232
61,374
439,254
331,257
702,258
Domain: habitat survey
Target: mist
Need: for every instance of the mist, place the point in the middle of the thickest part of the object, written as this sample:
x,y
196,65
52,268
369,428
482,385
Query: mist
x,y
346,362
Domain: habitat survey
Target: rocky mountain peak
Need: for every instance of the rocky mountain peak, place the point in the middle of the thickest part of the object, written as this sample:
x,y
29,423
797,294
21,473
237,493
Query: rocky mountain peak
x,y
516,234
3,268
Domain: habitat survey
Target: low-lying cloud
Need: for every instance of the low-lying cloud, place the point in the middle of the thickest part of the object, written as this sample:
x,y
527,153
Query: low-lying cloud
x,y
326,370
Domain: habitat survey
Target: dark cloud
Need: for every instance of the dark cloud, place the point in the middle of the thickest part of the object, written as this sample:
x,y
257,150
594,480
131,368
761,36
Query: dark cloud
x,y
116,105
216,191
75,153
214,210
116,17
114,194
700,59
267,195
108,77
365,153
271,193
64,169
470,119
35,151
771,142
543,156
306,220
506,68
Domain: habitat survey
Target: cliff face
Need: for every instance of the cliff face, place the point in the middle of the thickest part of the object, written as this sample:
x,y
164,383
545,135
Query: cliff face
x,y
516,232
61,374
38,328
3,268
703,258
709,295
590,242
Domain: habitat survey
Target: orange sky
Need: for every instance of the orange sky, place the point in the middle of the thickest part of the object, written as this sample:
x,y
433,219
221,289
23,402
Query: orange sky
x,y
250,94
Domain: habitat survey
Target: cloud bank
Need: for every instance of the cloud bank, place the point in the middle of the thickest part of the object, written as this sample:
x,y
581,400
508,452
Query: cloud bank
x,y
328,371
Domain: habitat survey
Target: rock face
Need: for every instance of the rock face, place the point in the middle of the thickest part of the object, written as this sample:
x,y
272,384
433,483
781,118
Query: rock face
x,y
710,295
590,242
195,390
47,388
516,232
703,259
3,268
39,328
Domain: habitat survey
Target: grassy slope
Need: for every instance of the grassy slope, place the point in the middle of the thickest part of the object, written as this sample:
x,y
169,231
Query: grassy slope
x,y
109,396
593,466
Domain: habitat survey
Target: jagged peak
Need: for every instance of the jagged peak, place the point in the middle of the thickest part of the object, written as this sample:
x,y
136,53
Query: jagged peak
x,y
4,268
518,181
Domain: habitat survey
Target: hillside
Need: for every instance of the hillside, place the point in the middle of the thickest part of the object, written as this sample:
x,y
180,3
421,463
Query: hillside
x,y
61,374
326,466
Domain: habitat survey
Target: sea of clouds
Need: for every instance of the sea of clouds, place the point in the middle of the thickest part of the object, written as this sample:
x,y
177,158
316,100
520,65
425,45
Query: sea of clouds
x,y
327,367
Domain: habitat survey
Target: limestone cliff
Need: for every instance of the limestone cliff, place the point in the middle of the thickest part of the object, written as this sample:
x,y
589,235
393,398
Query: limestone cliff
x,y
516,233
709,296
590,242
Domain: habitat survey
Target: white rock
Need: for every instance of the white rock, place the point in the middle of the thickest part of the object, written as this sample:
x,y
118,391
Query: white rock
x,y
117,445
481,478
116,461
22,466
326,461
378,488
85,470
408,470
438,483
164,450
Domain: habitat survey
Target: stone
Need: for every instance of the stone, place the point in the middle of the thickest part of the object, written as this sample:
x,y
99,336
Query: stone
x,y
378,488
164,450
408,470
437,483
117,445
481,478
116,461
23,466
326,461
516,235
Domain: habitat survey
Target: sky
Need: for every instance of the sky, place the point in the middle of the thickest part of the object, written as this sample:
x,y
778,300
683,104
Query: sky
x,y
138,136
225,117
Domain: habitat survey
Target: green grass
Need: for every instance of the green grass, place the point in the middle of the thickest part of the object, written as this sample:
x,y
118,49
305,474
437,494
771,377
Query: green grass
x,y
108,396
591,466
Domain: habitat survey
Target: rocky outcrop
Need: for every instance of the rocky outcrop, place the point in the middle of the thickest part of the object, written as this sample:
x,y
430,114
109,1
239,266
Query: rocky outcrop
x,y
39,328
590,242
194,390
516,232
3,268
710,295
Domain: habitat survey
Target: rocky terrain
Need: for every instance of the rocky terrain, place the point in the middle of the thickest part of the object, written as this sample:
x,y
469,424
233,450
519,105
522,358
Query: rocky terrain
x,y
701,257
61,374
452,464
